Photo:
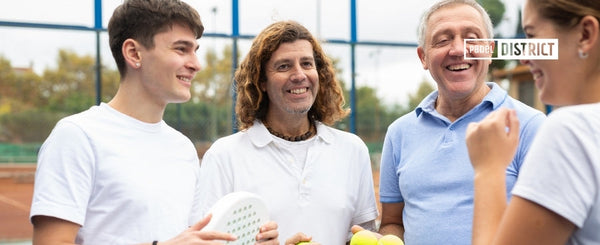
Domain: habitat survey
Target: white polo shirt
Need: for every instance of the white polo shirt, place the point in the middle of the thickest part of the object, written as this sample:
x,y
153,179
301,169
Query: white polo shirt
x,y
333,191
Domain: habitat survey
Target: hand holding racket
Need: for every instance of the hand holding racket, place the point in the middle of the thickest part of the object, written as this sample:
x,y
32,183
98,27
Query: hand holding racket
x,y
196,234
241,214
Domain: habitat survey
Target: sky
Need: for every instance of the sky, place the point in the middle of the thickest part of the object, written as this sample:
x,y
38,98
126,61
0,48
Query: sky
x,y
394,72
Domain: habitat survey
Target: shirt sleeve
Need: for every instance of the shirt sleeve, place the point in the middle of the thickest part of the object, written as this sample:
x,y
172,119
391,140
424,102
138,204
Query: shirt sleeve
x,y
64,175
367,205
215,179
559,170
389,190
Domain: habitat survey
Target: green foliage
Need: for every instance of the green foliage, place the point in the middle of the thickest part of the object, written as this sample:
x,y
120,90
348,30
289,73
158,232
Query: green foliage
x,y
495,9
19,88
110,83
425,88
203,121
28,126
371,114
214,81
30,105
70,88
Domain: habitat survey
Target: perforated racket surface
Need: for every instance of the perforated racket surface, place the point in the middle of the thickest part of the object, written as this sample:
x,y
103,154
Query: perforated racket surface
x,y
239,213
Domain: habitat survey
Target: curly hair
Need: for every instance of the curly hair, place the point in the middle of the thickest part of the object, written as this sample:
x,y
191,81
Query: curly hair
x,y
143,19
252,103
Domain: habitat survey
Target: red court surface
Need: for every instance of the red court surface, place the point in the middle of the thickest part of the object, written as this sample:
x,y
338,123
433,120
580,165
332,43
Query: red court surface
x,y
16,188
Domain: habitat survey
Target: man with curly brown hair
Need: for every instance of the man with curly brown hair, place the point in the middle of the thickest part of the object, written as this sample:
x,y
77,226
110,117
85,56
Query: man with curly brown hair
x,y
316,180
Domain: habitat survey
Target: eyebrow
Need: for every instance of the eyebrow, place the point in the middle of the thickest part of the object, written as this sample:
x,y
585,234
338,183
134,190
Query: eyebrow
x,y
468,29
303,58
476,30
308,58
187,43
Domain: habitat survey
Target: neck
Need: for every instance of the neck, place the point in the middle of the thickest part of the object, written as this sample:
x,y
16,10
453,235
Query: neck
x,y
134,104
293,137
454,108
589,91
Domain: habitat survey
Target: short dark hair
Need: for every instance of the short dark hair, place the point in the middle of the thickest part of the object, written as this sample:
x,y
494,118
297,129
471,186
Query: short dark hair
x,y
143,19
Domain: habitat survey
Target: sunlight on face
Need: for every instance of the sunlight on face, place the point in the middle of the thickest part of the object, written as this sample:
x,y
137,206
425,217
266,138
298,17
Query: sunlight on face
x,y
292,79
553,78
444,53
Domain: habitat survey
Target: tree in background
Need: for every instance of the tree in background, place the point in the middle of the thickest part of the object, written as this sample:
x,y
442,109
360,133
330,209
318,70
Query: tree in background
x,y
69,88
207,116
372,115
14,85
496,10
425,88
213,81
30,105
19,98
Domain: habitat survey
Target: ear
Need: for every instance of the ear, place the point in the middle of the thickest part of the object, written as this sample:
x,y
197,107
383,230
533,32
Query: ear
x,y
131,53
588,27
421,54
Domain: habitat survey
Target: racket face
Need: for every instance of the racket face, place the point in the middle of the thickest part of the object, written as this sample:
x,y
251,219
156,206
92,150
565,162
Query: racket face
x,y
241,214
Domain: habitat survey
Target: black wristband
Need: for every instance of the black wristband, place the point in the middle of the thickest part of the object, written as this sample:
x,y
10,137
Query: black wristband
x,y
155,243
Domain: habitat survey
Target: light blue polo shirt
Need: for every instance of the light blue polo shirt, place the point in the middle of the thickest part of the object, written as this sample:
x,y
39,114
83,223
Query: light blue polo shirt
x,y
425,164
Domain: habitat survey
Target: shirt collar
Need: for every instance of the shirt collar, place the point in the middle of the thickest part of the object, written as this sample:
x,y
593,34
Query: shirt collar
x,y
260,136
495,96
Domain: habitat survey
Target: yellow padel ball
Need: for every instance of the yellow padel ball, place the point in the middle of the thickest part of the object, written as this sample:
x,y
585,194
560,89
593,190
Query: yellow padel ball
x,y
363,237
390,240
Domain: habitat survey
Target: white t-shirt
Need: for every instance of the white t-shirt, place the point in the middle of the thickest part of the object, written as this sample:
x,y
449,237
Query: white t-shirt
x,y
324,199
124,181
562,169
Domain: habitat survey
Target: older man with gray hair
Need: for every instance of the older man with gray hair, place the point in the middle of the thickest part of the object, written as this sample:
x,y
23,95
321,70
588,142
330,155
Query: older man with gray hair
x,y
426,183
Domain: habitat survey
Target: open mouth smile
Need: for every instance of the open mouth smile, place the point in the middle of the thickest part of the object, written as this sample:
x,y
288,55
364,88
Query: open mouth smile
x,y
298,90
185,79
458,67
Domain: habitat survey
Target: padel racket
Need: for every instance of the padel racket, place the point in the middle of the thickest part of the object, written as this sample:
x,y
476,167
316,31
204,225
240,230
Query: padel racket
x,y
239,213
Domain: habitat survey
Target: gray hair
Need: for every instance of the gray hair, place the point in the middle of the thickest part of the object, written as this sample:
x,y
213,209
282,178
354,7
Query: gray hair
x,y
445,3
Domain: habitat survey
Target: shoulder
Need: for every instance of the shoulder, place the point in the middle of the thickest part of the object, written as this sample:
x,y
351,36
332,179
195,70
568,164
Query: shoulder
x,y
525,113
80,117
77,122
340,134
234,138
501,98
586,111
341,139
228,143
581,117
91,120
405,121
522,108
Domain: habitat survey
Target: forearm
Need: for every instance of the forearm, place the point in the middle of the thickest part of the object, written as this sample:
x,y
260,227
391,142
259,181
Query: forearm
x,y
49,230
489,205
392,229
